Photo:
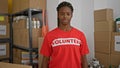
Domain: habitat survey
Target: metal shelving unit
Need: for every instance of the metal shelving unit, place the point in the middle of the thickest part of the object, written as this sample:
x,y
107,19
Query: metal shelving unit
x,y
7,40
29,13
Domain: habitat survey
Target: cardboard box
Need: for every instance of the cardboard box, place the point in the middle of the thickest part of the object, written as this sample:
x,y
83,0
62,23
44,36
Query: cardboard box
x,y
5,61
3,6
4,27
105,26
20,24
40,41
103,14
4,30
21,37
22,57
10,65
19,5
4,50
21,34
115,47
103,36
16,6
103,58
115,59
103,47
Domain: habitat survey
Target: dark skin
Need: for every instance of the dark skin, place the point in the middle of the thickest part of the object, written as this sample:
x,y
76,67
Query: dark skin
x,y
64,15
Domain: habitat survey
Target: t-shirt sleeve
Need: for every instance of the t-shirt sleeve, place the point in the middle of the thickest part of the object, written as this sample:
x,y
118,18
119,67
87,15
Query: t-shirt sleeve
x,y
84,46
46,48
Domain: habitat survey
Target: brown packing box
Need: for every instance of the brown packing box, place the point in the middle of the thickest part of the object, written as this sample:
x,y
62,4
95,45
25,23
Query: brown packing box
x,y
104,26
18,52
18,56
21,34
7,49
10,65
21,37
115,43
3,6
102,47
19,5
16,6
40,41
5,61
5,31
4,27
103,58
104,36
20,24
115,59
43,4
103,14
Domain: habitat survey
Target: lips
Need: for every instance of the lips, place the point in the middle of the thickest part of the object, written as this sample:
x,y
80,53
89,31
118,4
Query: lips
x,y
65,20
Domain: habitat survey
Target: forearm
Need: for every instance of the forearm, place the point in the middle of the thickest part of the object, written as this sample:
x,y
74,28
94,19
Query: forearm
x,y
84,62
45,62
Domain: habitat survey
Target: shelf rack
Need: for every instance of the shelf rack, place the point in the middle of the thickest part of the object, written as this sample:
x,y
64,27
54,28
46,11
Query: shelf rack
x,y
7,40
29,13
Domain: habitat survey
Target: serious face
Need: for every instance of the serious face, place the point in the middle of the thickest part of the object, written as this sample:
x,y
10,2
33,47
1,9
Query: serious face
x,y
64,15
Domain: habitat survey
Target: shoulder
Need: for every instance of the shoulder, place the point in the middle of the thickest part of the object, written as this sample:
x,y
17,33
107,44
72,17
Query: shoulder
x,y
77,31
52,32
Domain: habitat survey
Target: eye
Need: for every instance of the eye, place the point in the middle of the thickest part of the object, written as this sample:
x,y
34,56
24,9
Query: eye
x,y
62,14
68,14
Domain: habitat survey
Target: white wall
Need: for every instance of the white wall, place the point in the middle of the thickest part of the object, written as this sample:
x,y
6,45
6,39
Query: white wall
x,y
82,18
100,4
115,5
87,23
52,14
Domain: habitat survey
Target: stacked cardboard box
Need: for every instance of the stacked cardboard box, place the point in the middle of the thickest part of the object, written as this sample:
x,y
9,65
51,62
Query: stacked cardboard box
x,y
115,49
23,57
104,26
4,27
3,6
21,39
19,5
21,33
4,33
4,50
21,27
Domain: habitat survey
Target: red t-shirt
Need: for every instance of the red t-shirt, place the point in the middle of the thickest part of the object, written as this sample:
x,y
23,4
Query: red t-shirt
x,y
64,48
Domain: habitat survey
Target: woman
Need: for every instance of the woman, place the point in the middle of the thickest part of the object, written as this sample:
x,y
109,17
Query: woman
x,y
64,46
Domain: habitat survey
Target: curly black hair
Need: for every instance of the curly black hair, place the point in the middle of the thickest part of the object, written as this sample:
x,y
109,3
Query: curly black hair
x,y
65,4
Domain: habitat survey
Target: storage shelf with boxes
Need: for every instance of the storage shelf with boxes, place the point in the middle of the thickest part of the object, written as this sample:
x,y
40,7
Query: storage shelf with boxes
x,y
26,30
5,37
23,34
27,23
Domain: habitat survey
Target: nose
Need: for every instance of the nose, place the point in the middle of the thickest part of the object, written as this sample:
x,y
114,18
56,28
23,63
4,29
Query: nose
x,y
65,15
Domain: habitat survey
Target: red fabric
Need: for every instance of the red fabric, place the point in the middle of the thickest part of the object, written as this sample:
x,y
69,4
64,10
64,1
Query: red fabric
x,y
64,48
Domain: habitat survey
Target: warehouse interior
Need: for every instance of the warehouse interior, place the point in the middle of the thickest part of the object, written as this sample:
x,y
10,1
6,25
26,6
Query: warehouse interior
x,y
24,24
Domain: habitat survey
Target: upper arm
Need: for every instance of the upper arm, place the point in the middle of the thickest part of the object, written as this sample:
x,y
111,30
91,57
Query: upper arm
x,y
45,62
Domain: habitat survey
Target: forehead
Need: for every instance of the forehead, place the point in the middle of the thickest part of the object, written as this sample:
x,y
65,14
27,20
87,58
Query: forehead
x,y
65,9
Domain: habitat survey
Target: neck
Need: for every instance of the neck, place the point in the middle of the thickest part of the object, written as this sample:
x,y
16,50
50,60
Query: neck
x,y
65,28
